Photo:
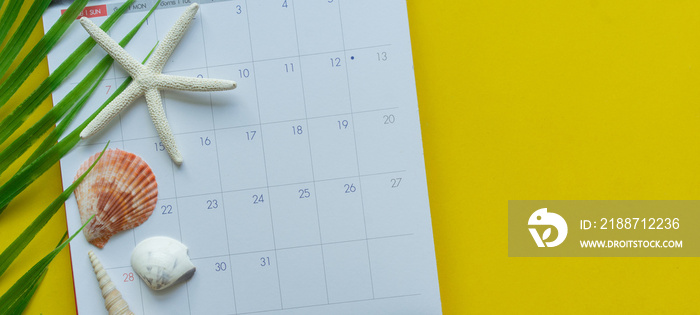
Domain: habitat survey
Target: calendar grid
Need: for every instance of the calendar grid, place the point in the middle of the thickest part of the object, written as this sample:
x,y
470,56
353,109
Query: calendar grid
x,y
311,158
121,131
115,76
366,242
244,126
267,187
267,178
291,184
177,199
218,165
292,247
354,136
335,303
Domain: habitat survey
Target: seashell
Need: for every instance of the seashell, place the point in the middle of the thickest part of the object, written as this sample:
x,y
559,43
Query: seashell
x,y
121,192
161,262
114,303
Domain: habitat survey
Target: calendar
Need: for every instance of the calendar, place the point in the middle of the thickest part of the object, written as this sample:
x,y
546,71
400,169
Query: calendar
x,y
302,191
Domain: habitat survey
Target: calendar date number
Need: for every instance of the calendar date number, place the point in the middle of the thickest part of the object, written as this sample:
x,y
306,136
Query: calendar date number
x,y
389,119
166,209
220,266
250,135
350,188
335,62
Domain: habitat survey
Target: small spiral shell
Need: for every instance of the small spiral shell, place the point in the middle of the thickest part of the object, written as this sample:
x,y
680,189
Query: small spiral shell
x,y
114,302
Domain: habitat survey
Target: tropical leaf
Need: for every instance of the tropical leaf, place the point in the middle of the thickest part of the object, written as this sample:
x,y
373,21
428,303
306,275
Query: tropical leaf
x,y
10,124
42,48
27,174
12,251
26,296
19,38
16,299
12,301
56,133
71,100
24,141
23,300
31,172
9,17
51,139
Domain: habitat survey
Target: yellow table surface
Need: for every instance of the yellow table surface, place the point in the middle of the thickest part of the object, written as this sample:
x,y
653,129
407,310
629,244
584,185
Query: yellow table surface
x,y
518,100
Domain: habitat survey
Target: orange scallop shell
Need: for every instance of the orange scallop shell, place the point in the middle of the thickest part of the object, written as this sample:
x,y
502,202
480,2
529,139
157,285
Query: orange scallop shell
x,y
121,192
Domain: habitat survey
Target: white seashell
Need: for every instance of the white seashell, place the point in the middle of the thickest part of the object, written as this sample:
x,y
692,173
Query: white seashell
x,y
114,303
161,262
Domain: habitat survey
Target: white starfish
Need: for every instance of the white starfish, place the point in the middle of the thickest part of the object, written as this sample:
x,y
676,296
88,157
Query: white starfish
x,y
148,80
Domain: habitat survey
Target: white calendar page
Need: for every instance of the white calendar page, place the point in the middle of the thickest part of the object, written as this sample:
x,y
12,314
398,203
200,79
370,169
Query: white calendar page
x,y
302,191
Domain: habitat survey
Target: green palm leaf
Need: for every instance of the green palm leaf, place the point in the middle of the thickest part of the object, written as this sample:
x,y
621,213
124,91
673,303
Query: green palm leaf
x,y
25,297
40,50
25,176
51,139
23,300
9,17
12,251
19,38
16,297
10,124
89,83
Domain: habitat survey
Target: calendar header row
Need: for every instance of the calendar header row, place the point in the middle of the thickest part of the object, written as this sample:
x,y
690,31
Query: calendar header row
x,y
137,6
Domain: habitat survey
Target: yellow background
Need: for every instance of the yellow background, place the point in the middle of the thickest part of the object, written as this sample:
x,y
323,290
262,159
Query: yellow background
x,y
520,100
